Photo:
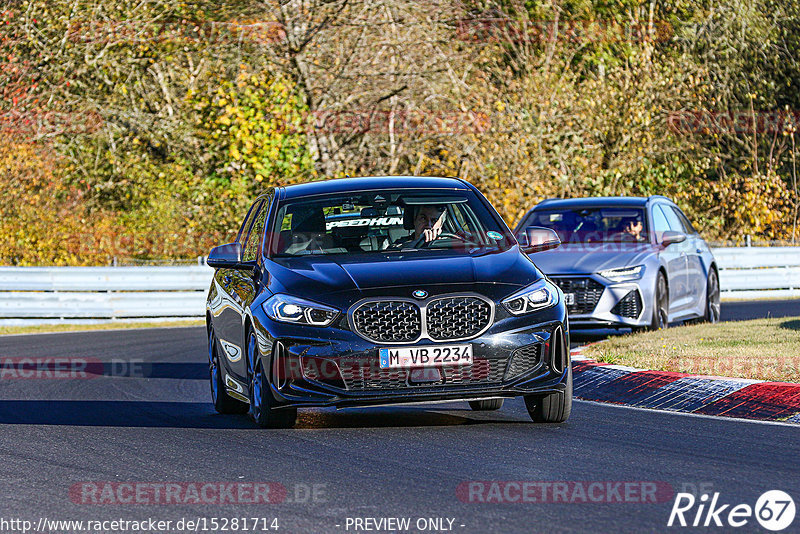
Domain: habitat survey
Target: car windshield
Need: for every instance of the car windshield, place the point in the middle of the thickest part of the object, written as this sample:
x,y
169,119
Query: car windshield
x,y
593,225
386,221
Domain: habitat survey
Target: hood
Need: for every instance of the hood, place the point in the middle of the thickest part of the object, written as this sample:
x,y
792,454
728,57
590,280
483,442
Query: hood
x,y
313,275
586,259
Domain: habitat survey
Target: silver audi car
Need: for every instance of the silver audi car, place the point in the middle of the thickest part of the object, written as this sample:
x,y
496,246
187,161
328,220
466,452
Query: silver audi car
x,y
626,262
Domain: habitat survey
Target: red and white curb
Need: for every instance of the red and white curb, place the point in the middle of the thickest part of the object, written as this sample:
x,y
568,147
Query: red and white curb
x,y
680,392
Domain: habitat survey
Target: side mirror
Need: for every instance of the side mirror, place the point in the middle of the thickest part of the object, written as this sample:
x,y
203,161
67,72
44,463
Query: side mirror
x,y
671,237
228,256
540,239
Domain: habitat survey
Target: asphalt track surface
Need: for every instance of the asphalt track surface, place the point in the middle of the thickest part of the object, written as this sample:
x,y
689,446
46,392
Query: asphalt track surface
x,y
144,417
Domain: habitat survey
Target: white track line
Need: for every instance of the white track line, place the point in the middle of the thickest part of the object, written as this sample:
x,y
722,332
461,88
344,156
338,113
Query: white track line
x,y
701,415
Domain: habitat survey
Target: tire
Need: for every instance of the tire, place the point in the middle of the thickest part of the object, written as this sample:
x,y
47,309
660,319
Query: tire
x,y
486,405
660,317
223,403
263,407
553,407
713,308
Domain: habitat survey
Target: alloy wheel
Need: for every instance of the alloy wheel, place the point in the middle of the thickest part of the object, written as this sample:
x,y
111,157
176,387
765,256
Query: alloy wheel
x,y
713,298
662,303
213,365
256,383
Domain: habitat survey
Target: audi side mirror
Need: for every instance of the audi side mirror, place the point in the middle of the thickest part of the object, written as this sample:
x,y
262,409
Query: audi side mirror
x,y
539,239
671,237
228,256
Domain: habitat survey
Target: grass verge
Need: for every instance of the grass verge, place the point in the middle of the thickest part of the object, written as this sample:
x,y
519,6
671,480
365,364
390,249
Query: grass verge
x,y
763,349
44,328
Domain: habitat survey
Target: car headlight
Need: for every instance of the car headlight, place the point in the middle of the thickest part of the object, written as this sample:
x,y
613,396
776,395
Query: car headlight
x,y
288,309
623,274
537,296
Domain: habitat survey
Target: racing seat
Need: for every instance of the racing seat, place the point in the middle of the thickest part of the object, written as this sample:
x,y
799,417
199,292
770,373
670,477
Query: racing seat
x,y
408,218
308,232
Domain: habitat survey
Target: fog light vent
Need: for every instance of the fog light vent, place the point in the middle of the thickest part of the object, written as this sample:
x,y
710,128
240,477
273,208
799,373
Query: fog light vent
x,y
523,360
629,306
323,371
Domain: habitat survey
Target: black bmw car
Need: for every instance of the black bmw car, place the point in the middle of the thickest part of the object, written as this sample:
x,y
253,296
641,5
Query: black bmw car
x,y
375,291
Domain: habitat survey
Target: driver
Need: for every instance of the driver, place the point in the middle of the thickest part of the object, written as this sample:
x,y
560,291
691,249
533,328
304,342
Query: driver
x,y
632,229
427,221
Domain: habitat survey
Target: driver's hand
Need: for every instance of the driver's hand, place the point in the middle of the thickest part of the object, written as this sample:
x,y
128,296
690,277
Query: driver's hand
x,y
429,234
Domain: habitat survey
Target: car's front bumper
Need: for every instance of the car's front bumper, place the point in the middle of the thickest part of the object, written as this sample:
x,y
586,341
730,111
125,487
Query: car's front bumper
x,y
602,303
339,368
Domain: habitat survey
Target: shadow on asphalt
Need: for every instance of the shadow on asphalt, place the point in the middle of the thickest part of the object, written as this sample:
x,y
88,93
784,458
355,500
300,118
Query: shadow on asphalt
x,y
137,414
179,371
396,417
94,369
117,413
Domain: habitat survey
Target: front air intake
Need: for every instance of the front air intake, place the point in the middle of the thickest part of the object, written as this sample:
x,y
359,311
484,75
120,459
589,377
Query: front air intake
x,y
388,321
524,360
441,318
559,352
457,317
629,306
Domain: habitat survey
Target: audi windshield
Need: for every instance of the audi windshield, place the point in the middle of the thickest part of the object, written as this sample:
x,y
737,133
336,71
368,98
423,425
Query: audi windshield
x,y
387,221
592,225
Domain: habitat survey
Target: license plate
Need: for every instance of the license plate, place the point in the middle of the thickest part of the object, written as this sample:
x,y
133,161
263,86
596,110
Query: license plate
x,y
569,299
425,356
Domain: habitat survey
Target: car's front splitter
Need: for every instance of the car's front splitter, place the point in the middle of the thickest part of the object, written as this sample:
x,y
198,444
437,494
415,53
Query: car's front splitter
x,y
542,383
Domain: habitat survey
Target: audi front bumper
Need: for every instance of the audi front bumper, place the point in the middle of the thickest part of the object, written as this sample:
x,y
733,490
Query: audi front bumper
x,y
598,303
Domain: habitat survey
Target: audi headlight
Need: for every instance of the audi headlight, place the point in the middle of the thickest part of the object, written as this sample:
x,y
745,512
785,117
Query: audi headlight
x,y
623,274
537,296
290,309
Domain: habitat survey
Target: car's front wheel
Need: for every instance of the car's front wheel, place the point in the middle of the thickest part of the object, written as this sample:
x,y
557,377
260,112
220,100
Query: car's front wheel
x,y
660,318
263,409
553,407
486,405
713,307
223,403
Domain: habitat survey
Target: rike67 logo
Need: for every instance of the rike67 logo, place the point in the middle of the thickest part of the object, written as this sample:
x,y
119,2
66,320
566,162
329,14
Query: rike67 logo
x,y
774,510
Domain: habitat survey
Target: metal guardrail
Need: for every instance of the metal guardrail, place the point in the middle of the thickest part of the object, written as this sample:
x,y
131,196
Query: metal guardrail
x,y
54,294
758,272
